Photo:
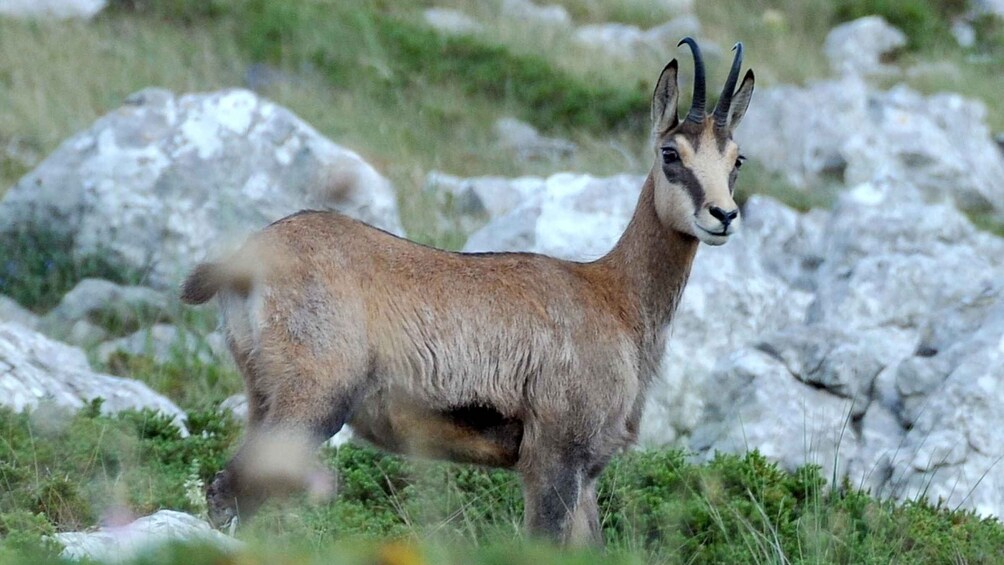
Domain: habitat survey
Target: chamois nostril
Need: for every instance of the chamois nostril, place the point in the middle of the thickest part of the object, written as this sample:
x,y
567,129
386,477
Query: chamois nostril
x,y
722,216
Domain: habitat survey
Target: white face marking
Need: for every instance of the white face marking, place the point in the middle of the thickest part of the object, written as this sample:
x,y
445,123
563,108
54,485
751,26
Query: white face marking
x,y
711,168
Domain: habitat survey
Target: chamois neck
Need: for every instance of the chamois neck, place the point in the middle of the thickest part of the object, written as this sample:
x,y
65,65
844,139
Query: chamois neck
x,y
652,261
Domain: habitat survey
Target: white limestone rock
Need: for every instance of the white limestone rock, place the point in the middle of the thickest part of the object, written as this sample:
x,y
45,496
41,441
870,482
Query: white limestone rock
x,y
159,183
98,301
860,46
36,370
628,41
451,22
11,311
119,544
164,343
844,131
52,9
552,15
527,144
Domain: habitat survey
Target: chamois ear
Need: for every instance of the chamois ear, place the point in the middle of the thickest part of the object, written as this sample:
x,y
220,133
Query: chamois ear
x,y
741,100
664,100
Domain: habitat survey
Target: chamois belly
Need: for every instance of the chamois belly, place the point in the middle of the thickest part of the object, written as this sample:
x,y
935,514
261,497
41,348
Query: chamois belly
x,y
475,434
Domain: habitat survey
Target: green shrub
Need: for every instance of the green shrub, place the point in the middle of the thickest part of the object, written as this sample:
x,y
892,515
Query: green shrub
x,y
551,97
38,268
358,43
72,468
190,382
989,30
24,535
185,12
656,506
925,23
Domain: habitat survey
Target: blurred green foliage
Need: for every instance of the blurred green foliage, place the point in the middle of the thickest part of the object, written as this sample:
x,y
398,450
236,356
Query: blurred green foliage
x,y
358,42
186,12
37,268
71,468
925,22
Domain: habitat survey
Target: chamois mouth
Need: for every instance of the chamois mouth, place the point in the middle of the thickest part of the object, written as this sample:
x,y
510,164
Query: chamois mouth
x,y
713,237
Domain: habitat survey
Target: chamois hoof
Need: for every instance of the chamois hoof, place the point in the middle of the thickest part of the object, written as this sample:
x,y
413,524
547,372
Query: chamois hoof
x,y
221,503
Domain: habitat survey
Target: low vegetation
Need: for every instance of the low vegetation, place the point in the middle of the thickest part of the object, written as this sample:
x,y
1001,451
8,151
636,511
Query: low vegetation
x,y
63,472
38,268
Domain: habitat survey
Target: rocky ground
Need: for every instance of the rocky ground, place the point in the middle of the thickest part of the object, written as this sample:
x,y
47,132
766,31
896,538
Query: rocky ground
x,y
867,338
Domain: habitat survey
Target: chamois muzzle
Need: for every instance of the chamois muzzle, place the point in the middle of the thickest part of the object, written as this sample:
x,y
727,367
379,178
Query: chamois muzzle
x,y
724,217
725,100
696,113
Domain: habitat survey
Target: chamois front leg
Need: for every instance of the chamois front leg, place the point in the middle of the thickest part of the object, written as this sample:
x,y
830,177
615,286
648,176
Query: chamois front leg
x,y
555,482
550,499
586,519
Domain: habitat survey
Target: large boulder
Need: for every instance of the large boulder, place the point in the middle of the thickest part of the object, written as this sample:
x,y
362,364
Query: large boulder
x,y
865,340
566,215
160,182
165,343
734,293
953,436
526,143
36,370
123,543
891,261
11,311
94,308
755,401
466,204
843,131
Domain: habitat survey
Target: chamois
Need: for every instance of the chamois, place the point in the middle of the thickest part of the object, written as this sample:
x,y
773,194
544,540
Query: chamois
x,y
511,360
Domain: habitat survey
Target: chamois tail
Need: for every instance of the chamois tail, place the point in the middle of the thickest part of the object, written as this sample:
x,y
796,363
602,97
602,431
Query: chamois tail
x,y
207,279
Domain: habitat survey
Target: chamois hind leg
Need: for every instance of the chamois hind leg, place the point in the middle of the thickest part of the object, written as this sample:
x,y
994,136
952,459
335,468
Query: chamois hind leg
x,y
306,403
256,399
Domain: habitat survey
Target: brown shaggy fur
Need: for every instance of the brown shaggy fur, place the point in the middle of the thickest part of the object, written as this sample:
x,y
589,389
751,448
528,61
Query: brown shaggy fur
x,y
511,360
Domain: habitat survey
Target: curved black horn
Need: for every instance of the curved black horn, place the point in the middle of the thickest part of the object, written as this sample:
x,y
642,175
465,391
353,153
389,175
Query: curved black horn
x,y
696,113
725,101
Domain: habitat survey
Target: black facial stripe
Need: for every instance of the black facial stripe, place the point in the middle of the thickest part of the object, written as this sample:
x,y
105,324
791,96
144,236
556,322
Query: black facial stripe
x,y
678,174
692,133
732,180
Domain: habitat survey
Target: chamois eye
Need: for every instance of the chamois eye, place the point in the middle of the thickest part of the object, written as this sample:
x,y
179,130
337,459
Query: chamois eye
x,y
740,161
670,155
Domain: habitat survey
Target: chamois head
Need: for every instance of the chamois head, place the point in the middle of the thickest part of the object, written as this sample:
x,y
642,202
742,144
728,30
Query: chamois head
x,y
696,159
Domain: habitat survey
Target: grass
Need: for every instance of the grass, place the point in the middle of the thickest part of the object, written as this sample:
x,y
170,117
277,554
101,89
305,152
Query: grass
x,y
50,89
656,505
189,381
37,268
63,472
